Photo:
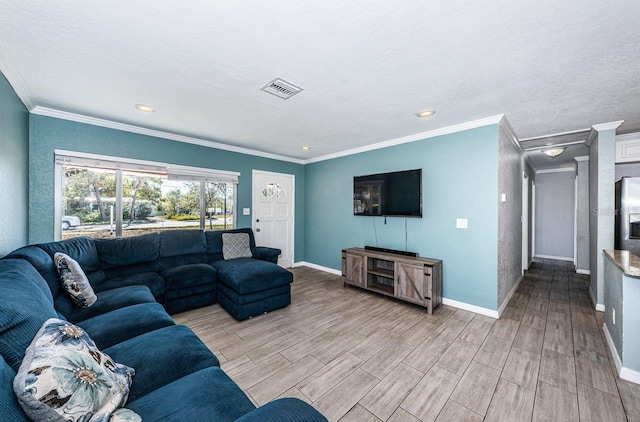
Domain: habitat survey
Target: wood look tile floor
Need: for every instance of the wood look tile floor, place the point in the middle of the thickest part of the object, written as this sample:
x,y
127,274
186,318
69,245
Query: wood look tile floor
x,y
358,356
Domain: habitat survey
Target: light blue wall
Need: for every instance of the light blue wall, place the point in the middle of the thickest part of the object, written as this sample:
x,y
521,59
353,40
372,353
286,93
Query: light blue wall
x,y
14,165
602,158
460,180
47,134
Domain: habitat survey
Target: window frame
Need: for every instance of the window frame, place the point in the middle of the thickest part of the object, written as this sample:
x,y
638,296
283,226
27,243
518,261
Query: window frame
x,y
120,165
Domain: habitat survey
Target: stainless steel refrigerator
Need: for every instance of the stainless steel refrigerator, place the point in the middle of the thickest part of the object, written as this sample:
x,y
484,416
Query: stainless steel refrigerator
x,y
627,235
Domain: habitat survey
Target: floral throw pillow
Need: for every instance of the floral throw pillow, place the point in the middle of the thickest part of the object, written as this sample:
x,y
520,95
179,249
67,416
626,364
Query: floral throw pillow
x,y
74,281
235,245
64,377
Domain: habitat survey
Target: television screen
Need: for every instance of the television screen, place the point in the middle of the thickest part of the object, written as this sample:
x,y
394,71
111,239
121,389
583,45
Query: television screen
x,y
388,194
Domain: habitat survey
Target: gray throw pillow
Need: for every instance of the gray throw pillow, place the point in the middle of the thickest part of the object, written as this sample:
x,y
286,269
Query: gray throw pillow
x,y
236,245
64,377
74,281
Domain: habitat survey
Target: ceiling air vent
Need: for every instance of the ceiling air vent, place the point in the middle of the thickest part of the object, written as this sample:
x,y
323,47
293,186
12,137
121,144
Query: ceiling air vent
x,y
281,88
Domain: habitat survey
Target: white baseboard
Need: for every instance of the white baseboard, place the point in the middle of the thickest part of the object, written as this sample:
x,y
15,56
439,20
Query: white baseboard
x,y
581,271
598,306
317,267
505,303
449,302
557,258
624,373
472,308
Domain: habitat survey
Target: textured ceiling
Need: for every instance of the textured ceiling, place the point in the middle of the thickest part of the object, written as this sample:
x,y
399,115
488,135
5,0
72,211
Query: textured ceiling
x,y
366,67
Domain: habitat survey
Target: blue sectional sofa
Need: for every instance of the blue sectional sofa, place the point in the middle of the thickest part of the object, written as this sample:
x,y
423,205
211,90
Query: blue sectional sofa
x,y
177,377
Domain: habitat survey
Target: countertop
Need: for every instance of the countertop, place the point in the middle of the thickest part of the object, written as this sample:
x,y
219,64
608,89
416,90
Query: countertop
x,y
628,262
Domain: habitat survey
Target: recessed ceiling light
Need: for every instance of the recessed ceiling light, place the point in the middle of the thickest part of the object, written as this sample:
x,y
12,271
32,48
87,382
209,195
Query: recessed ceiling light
x,y
554,152
145,108
426,113
306,148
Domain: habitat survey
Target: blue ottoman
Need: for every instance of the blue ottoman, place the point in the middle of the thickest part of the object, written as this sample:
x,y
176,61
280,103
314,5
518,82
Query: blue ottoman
x,y
248,286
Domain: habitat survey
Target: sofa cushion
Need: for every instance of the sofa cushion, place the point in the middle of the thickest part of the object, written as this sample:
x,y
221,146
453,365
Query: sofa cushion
x,y
9,407
26,305
182,247
110,300
184,277
198,300
161,357
115,253
254,297
153,281
128,256
82,249
214,242
206,395
125,323
43,263
64,376
235,245
73,280
284,409
247,275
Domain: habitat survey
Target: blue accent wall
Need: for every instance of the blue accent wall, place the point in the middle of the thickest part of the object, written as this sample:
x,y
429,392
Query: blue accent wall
x,y
48,134
460,180
14,169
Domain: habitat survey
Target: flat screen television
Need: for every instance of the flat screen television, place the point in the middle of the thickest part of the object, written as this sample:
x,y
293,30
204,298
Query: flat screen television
x,y
395,194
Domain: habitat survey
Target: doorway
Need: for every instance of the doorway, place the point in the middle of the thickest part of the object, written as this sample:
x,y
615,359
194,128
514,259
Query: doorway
x,y
273,199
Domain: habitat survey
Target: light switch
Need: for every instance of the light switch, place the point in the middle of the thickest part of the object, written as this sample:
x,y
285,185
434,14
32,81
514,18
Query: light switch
x,y
462,223
246,211
503,197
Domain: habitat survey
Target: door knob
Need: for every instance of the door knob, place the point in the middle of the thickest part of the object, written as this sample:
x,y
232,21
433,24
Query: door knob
x,y
257,230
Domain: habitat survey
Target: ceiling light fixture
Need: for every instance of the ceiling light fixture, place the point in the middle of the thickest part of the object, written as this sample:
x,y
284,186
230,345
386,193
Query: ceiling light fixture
x,y
305,148
145,108
426,113
553,153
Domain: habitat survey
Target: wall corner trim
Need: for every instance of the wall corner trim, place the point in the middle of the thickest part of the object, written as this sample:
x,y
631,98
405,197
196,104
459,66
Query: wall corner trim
x,y
511,134
624,373
505,302
582,158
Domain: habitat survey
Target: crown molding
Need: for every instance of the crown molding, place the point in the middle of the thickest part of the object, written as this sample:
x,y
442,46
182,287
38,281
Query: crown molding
x,y
582,158
15,80
493,120
80,118
557,170
628,137
553,135
511,134
599,128
607,126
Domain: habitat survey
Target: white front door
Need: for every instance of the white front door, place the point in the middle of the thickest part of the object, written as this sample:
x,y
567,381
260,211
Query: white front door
x,y
273,217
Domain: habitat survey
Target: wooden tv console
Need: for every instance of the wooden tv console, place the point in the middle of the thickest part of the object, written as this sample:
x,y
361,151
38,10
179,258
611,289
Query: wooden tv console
x,y
415,280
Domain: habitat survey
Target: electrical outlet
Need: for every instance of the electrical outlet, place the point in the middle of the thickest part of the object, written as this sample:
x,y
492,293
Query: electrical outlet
x,y
613,316
246,211
462,223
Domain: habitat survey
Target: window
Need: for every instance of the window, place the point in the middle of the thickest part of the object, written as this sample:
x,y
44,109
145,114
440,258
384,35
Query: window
x,y
103,197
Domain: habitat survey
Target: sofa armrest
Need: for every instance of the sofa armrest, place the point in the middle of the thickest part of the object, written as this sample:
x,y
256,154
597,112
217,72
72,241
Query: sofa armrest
x,y
284,410
264,253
